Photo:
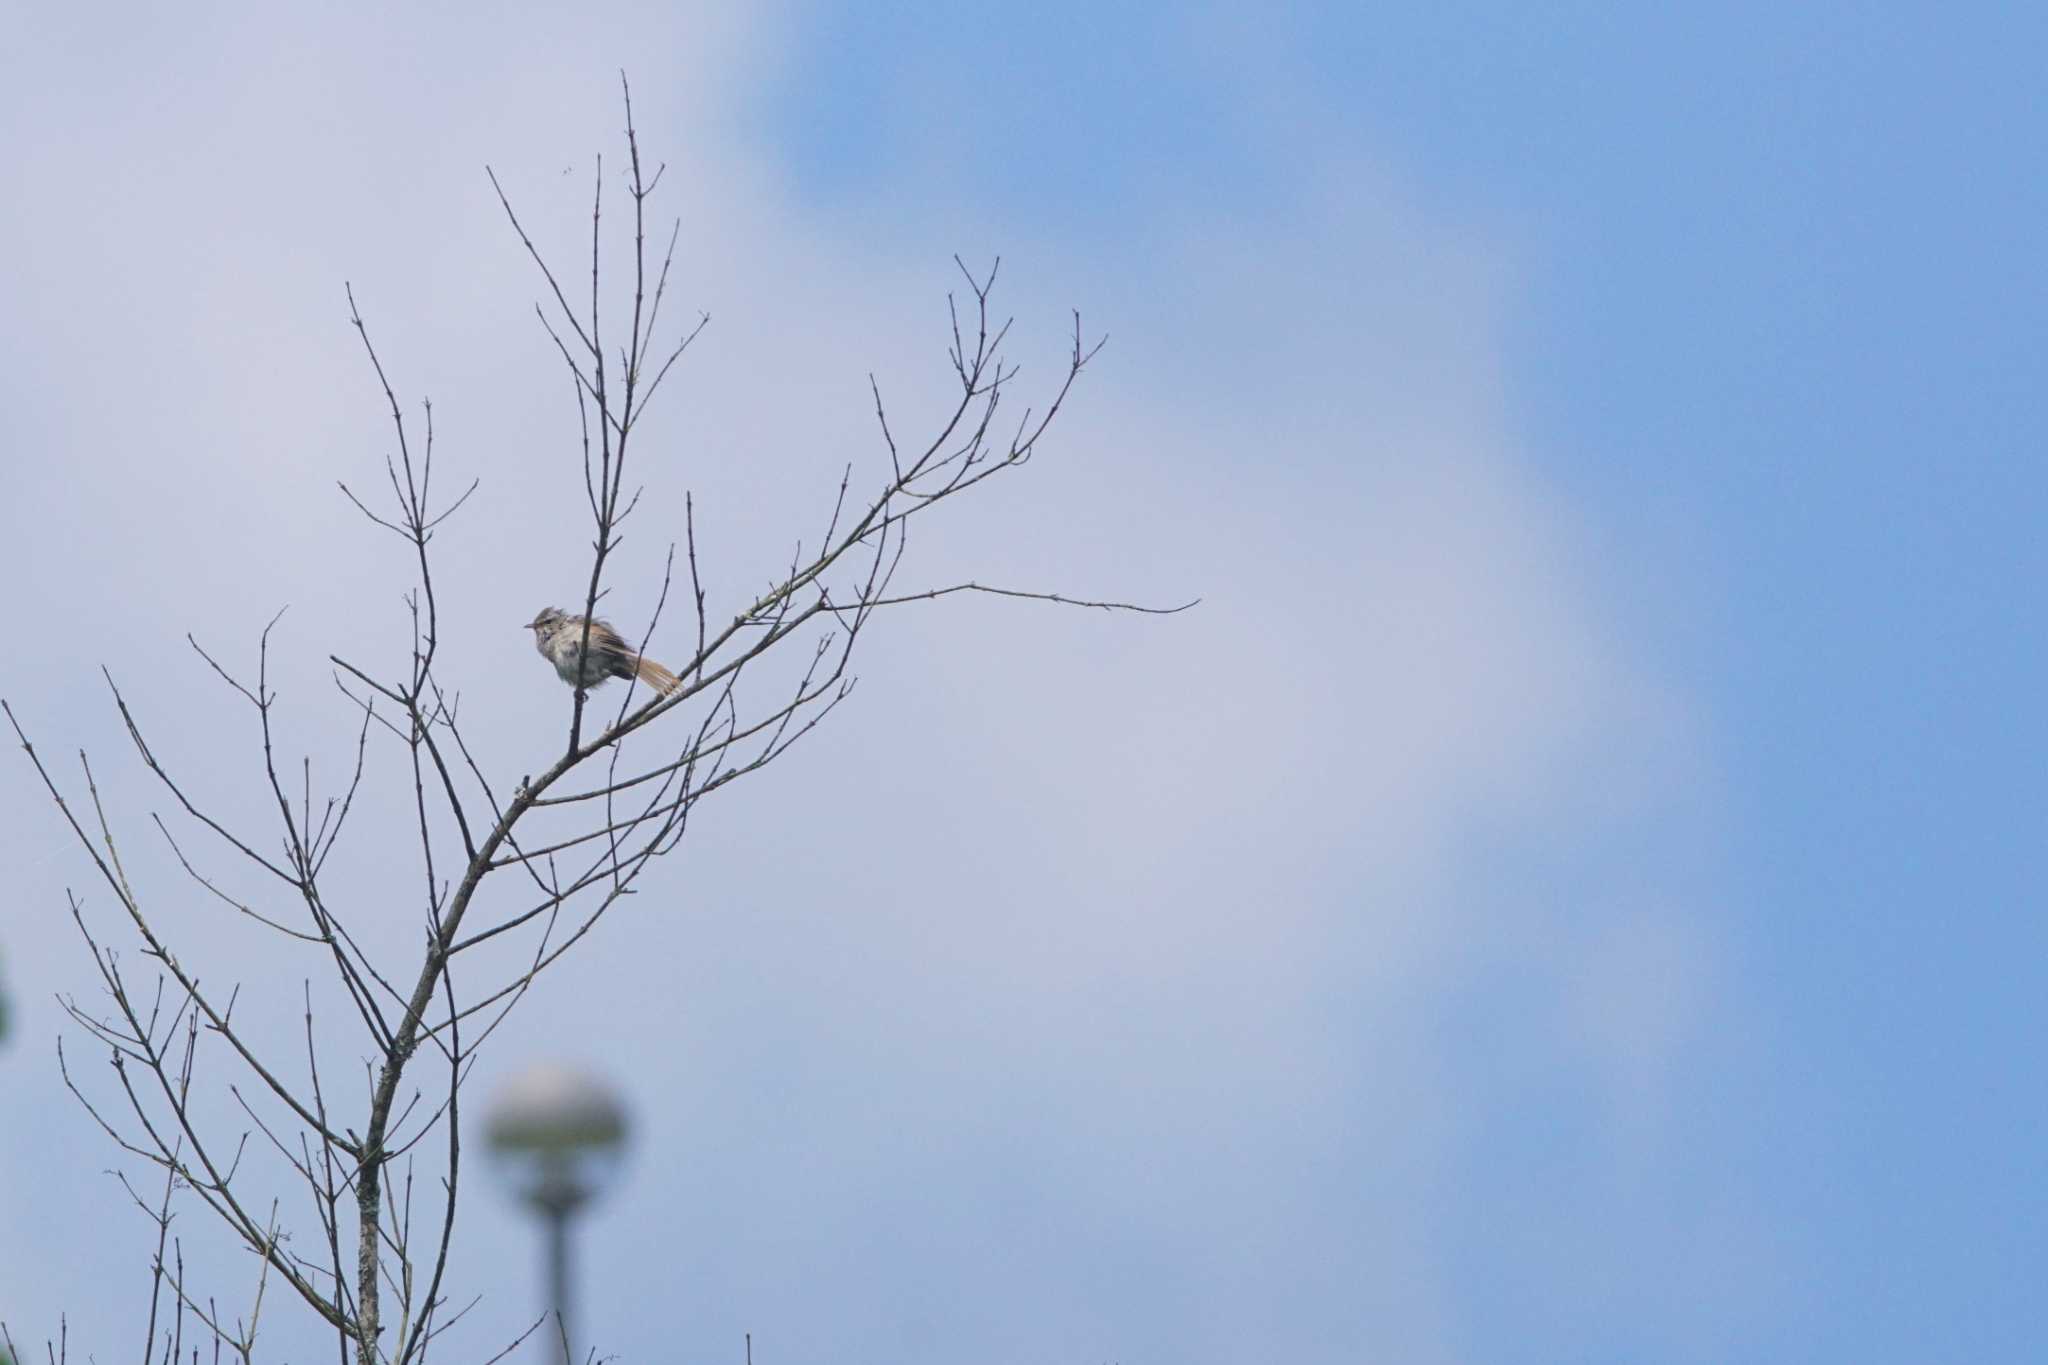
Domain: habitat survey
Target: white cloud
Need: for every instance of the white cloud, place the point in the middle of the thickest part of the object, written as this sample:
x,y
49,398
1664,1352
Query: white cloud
x,y
1084,989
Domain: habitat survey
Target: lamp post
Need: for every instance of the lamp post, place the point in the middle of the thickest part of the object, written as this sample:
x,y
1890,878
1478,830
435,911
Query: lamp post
x,y
557,1134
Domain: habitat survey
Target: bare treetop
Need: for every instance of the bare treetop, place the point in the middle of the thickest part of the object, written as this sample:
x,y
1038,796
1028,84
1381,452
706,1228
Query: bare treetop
x,y
575,837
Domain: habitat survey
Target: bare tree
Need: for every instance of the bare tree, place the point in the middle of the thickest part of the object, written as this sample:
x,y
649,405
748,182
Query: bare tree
x,y
373,1260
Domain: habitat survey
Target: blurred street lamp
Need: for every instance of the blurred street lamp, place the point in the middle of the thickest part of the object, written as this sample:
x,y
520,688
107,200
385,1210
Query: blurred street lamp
x,y
557,1135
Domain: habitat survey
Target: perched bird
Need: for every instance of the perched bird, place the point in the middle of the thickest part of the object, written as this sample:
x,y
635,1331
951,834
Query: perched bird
x,y
559,638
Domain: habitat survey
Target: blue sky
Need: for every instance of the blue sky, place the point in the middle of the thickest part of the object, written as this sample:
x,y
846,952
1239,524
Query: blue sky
x,y
1573,890
1777,321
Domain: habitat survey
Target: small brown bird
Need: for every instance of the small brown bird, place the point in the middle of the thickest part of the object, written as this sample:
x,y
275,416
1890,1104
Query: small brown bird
x,y
559,638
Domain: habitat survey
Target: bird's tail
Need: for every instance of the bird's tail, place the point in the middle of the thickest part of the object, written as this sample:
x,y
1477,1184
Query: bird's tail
x,y
657,677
